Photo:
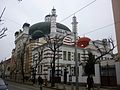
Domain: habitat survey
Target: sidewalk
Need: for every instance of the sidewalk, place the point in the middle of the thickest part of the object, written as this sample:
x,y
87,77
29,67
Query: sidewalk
x,y
65,87
71,87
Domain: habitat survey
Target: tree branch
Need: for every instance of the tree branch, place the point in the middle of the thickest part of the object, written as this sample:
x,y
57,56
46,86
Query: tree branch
x,y
97,47
106,51
2,32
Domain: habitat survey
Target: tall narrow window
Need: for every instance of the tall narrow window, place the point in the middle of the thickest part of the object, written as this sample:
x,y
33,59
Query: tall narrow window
x,y
69,56
40,69
74,56
78,56
64,55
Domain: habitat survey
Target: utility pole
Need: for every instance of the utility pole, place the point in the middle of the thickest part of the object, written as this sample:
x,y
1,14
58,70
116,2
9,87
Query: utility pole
x,y
74,27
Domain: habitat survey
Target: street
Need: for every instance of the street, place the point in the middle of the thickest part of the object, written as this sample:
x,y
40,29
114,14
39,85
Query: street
x,y
17,86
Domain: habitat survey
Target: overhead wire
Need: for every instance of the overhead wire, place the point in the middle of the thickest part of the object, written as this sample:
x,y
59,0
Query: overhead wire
x,y
94,29
78,10
101,28
12,21
74,14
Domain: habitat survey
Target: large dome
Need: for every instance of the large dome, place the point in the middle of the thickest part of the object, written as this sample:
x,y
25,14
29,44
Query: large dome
x,y
43,28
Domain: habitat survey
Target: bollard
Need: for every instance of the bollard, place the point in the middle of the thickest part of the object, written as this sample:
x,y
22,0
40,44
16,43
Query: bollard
x,y
40,87
57,86
98,88
72,87
64,87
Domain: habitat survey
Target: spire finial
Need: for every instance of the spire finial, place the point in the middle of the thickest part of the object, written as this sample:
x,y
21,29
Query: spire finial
x,y
74,14
53,9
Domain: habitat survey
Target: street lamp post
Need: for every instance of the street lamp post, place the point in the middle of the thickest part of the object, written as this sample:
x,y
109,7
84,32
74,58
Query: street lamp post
x,y
74,24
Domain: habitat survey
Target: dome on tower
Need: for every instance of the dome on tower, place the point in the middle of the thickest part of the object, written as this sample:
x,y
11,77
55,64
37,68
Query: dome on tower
x,y
48,15
43,28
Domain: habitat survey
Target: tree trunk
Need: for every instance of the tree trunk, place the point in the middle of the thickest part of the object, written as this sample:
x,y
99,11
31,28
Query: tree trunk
x,y
22,68
53,72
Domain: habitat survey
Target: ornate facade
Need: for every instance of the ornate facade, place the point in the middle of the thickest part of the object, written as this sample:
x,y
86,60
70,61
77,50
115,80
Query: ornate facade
x,y
32,47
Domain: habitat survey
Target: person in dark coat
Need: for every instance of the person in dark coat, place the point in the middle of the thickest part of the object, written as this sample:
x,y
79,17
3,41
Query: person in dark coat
x,y
90,82
40,80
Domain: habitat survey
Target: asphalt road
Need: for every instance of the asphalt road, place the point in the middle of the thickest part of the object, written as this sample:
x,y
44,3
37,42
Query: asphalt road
x,y
18,86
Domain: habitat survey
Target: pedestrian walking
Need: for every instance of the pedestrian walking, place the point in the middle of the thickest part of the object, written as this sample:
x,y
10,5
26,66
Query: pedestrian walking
x,y
40,81
45,81
90,82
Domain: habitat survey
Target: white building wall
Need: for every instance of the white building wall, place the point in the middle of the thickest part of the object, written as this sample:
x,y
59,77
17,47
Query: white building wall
x,y
67,63
82,79
117,65
97,74
73,79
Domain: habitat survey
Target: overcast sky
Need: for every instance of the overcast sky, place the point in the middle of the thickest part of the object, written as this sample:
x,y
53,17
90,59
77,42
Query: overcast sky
x,y
95,16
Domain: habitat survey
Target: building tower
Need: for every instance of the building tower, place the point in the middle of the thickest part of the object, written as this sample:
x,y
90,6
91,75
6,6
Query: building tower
x,y
26,28
74,27
48,18
53,20
116,13
74,24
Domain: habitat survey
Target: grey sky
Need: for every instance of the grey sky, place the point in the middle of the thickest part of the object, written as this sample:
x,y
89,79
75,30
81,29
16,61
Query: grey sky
x,y
97,15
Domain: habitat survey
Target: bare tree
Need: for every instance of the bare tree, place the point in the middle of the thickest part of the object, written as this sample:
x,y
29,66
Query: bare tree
x,y
40,51
54,43
18,66
4,68
104,51
3,30
13,68
21,56
89,67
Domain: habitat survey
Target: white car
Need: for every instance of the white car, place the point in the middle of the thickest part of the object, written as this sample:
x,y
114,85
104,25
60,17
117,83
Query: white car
x,y
3,85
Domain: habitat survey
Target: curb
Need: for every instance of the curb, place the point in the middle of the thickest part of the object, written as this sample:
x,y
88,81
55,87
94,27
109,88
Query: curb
x,y
53,88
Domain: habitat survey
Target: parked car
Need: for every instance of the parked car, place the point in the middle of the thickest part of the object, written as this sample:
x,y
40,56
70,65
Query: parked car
x,y
3,85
